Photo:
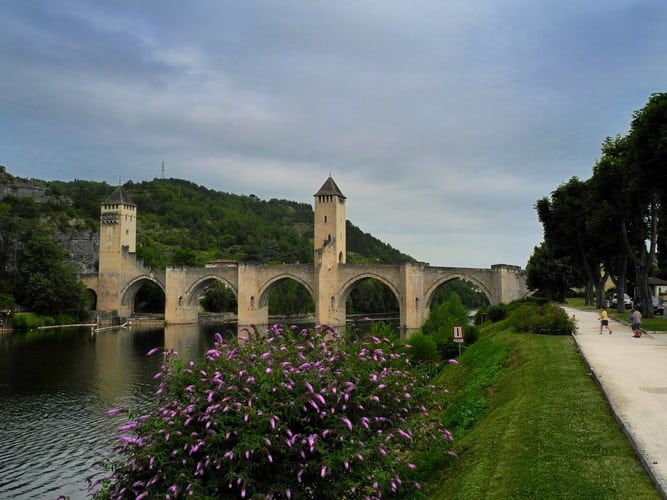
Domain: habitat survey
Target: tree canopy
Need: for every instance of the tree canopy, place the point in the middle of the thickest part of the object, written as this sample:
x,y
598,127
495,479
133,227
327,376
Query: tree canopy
x,y
613,224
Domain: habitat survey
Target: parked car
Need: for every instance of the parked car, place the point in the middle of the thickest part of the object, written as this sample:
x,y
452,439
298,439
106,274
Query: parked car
x,y
658,306
627,300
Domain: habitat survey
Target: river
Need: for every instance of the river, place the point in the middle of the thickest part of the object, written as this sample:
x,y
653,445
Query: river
x,y
55,388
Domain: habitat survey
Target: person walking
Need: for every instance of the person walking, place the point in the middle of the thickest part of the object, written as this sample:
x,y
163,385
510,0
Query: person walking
x,y
636,322
604,320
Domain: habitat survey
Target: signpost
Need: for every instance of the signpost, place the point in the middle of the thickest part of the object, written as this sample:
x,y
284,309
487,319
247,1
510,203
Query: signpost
x,y
458,335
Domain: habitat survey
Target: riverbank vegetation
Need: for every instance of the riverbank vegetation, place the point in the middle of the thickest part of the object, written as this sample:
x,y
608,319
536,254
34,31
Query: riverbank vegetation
x,y
529,422
378,426
284,414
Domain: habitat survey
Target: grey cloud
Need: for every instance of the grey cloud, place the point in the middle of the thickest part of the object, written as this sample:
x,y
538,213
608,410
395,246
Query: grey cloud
x,y
457,114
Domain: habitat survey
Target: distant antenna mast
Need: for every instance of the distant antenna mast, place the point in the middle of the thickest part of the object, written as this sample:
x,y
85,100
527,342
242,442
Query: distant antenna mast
x,y
163,170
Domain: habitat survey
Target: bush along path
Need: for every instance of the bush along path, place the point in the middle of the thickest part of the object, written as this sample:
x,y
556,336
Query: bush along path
x,y
287,414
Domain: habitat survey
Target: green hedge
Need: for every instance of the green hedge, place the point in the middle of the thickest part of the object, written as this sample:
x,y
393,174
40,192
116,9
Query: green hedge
x,y
545,319
30,321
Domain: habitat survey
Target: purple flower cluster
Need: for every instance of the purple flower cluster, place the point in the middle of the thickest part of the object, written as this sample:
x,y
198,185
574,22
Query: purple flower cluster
x,y
288,414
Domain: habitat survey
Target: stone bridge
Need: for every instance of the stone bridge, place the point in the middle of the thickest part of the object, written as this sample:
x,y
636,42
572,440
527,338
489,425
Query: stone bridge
x,y
412,284
329,280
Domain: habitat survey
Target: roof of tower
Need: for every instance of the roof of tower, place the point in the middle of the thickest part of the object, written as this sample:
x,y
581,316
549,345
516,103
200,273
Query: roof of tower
x,y
118,197
330,188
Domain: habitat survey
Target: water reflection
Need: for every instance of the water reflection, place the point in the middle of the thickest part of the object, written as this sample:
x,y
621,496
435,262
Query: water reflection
x,y
55,389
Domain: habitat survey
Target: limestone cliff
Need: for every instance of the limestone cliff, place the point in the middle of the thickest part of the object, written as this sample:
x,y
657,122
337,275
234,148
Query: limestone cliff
x,y
81,245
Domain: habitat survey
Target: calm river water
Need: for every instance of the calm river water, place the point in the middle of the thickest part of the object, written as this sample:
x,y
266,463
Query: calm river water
x,y
55,388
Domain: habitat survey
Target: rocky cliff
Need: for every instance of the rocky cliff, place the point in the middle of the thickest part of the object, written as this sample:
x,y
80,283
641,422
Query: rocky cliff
x,y
81,246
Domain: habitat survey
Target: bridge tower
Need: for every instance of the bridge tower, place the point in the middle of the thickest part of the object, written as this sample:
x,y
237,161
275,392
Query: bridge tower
x,y
118,237
330,251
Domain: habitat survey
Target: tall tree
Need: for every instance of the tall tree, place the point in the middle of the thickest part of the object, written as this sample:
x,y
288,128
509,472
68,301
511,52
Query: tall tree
x,y
551,275
49,285
645,190
568,235
610,208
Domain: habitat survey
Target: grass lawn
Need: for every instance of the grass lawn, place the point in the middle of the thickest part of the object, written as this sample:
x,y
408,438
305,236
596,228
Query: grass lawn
x,y
530,422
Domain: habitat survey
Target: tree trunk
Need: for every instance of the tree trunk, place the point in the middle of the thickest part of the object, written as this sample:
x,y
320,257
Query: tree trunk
x,y
645,259
599,288
620,285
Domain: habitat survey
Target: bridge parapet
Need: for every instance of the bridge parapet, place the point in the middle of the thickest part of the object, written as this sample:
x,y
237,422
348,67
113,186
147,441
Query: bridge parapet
x,y
511,283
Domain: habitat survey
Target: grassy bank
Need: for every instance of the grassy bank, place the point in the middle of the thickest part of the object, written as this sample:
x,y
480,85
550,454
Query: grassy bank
x,y
530,422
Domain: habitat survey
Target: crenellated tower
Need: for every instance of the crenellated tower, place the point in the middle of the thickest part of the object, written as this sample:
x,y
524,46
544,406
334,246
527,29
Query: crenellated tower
x,y
329,223
118,229
330,251
118,238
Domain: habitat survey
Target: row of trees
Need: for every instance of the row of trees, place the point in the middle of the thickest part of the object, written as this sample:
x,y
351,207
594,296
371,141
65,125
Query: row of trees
x,y
612,225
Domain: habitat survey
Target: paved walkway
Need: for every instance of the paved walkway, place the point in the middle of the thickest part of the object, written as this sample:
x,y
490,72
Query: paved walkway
x,y
633,375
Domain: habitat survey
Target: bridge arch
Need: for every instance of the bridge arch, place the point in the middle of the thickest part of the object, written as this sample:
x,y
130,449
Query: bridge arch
x,y
196,289
265,290
430,292
128,293
347,287
91,294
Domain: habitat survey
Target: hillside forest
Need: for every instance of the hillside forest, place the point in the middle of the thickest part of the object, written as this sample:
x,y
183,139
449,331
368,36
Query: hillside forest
x,y
179,223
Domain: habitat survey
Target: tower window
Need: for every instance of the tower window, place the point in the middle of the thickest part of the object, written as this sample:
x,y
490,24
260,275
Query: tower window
x,y
325,219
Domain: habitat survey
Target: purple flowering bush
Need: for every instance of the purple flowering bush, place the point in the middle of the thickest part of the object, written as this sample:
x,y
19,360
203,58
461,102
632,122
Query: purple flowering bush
x,y
288,414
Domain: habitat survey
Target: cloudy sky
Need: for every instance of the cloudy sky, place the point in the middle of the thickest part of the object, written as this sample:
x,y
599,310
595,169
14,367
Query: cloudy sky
x,y
441,121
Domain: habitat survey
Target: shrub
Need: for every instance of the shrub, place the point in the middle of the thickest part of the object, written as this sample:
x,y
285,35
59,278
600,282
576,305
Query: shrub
x,y
423,348
536,299
290,414
30,321
383,330
471,334
6,300
496,313
548,319
65,319
440,322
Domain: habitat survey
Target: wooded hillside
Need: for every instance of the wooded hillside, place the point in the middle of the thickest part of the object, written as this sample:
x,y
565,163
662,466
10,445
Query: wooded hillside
x,y
49,231
182,223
